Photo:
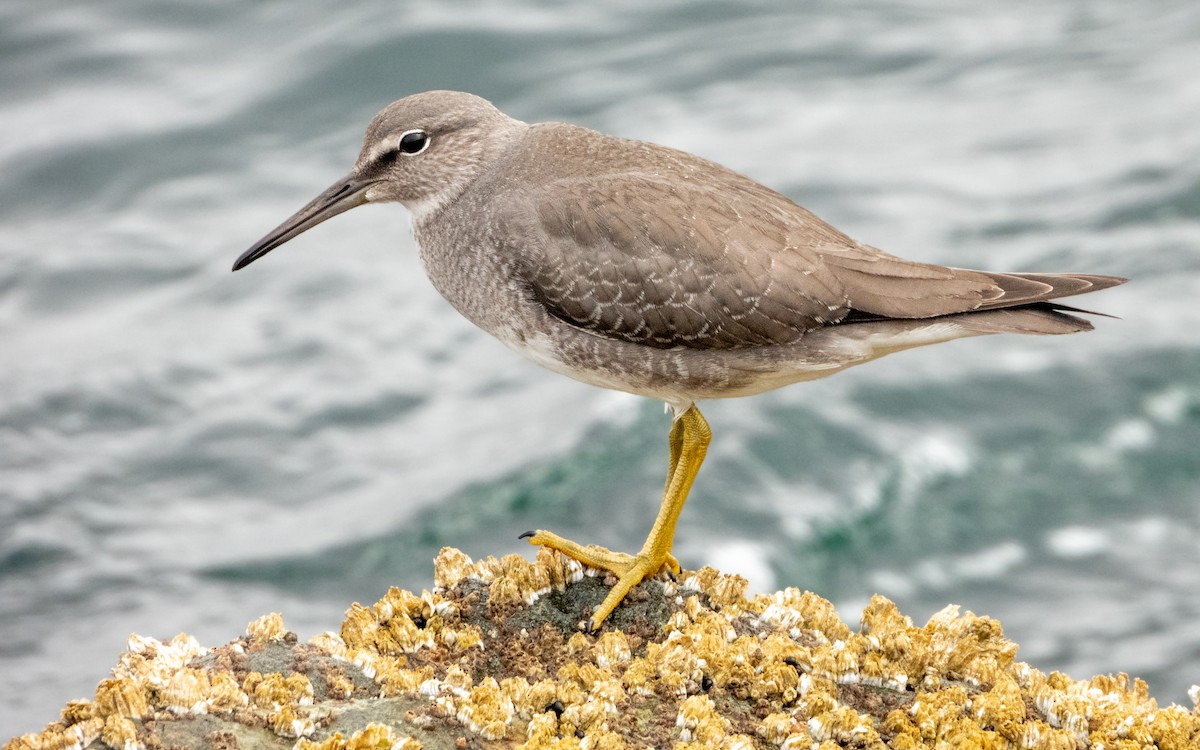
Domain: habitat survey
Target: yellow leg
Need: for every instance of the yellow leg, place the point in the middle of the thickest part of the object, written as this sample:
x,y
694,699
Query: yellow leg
x,y
689,440
676,445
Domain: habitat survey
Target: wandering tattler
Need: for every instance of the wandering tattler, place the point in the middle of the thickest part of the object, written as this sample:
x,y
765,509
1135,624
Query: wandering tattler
x,y
633,266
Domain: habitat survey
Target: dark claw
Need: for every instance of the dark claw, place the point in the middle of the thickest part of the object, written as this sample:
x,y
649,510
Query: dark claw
x,y
591,628
527,535
671,574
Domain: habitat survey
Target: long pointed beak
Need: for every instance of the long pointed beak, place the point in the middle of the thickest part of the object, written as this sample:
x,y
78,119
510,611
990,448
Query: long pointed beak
x,y
343,195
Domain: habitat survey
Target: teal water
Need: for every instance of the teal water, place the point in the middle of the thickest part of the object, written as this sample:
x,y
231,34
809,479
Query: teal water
x,y
185,449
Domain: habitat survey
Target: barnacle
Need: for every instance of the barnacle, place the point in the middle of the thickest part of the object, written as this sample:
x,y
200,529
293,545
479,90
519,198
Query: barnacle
x,y
373,736
120,732
224,693
186,692
273,690
450,567
487,710
121,696
267,628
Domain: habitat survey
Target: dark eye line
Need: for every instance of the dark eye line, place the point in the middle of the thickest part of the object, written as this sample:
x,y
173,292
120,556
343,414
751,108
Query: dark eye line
x,y
419,138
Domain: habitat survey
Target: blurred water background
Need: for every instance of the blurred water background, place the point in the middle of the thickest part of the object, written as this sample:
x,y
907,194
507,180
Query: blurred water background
x,y
183,449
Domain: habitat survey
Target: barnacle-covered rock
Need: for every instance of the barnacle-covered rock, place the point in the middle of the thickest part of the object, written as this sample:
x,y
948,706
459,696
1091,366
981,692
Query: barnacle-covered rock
x,y
494,657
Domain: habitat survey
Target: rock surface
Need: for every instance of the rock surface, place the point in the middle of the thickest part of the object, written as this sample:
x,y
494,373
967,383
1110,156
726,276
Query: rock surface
x,y
494,658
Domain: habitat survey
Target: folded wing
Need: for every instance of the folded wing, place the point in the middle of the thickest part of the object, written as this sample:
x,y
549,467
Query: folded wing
x,y
695,269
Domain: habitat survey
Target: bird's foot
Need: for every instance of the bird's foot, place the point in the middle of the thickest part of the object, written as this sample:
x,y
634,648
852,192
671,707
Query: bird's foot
x,y
629,569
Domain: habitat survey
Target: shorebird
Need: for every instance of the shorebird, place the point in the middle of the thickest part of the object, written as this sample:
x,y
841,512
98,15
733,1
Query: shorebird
x,y
638,267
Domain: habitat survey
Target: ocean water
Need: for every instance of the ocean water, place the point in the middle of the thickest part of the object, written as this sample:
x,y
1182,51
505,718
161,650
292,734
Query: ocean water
x,y
184,449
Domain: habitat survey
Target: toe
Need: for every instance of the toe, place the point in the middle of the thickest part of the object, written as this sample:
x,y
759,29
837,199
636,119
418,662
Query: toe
x,y
672,566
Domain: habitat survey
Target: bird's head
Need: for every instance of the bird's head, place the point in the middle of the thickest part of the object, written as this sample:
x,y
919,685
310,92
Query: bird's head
x,y
422,151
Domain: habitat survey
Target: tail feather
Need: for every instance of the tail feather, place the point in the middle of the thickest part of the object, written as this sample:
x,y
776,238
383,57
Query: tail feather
x,y
1038,319
1028,298
1024,288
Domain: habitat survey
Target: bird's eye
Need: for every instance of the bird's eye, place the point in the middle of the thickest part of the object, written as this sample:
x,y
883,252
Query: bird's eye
x,y
414,142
